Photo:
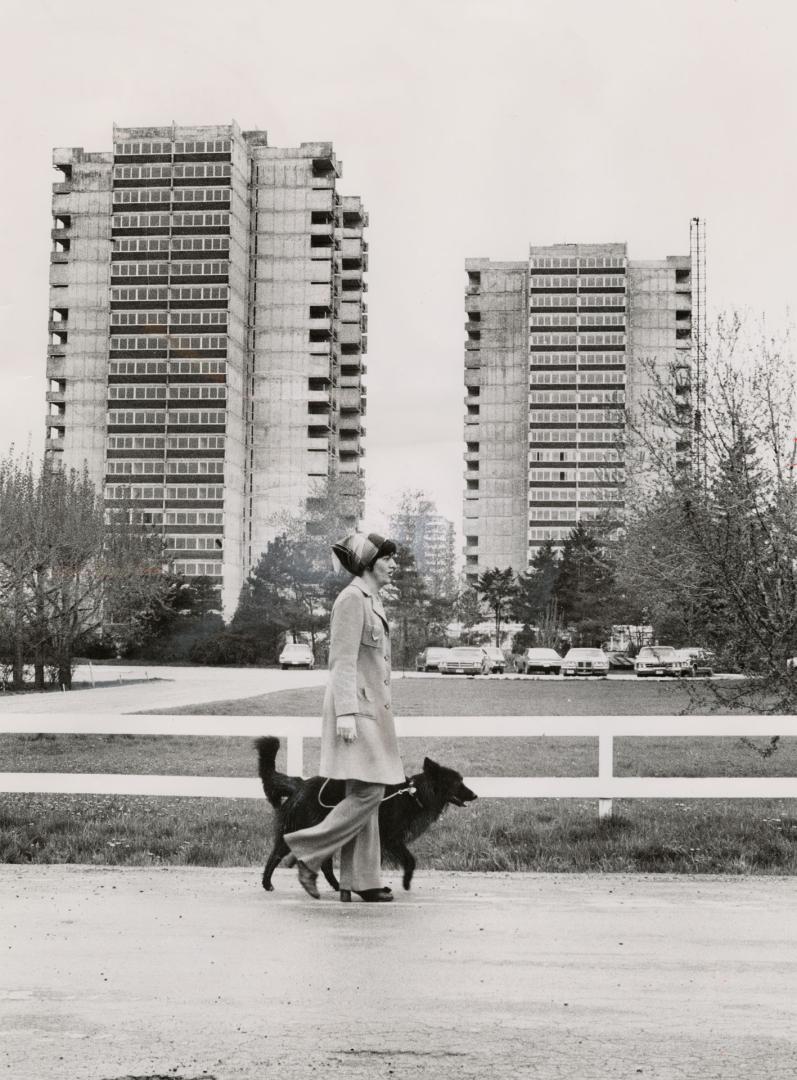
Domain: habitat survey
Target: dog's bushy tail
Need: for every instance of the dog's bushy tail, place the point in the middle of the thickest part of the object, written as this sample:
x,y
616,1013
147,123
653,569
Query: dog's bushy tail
x,y
277,786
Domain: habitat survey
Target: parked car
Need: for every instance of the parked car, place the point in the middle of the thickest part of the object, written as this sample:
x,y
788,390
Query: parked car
x,y
661,660
542,661
297,655
497,659
465,660
701,661
586,662
429,658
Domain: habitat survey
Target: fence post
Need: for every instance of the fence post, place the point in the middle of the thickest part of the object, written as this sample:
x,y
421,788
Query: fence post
x,y
295,755
605,770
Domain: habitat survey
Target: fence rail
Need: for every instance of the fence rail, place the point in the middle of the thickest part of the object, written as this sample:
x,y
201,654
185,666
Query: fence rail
x,y
295,729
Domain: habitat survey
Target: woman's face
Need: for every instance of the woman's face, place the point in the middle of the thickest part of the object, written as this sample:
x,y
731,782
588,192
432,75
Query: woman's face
x,y
383,570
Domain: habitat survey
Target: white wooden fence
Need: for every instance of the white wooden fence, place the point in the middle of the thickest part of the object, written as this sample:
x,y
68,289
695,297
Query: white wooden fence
x,y
294,729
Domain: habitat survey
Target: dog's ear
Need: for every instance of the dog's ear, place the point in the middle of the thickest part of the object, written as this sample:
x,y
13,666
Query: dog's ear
x,y
430,766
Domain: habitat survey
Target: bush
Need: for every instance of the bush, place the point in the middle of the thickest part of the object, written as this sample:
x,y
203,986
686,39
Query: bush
x,y
225,648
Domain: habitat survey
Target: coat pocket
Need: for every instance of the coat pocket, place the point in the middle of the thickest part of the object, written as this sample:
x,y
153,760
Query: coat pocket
x,y
365,701
372,635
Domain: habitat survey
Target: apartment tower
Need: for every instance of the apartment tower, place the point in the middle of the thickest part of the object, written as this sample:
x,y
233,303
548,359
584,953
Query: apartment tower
x,y
560,350
207,331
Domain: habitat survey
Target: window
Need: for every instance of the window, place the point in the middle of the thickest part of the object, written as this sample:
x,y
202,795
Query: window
x,y
137,418
198,391
200,269
201,318
190,492
553,359
135,442
193,542
545,397
133,149
140,221
200,243
140,243
142,172
139,318
131,466
196,418
133,344
198,367
137,391
123,293
141,195
202,169
213,341
197,569
210,146
553,320
195,467
139,269
552,416
137,367
199,292
200,220
196,442
133,492
194,517
203,194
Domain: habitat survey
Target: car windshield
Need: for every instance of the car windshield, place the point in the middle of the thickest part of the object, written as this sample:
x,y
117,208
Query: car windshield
x,y
466,654
296,649
494,652
659,653
585,654
542,654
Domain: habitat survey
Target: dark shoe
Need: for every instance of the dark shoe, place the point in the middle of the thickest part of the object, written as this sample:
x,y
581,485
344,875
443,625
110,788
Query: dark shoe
x,y
307,879
370,896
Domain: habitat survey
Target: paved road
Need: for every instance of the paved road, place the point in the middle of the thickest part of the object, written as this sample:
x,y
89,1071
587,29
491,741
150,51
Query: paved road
x,y
189,973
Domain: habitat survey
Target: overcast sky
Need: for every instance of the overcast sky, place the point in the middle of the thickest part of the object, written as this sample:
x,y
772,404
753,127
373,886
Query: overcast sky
x,y
470,128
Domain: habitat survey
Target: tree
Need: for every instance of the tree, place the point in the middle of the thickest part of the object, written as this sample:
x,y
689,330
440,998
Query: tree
x,y
470,612
498,589
68,568
535,586
407,604
584,589
712,553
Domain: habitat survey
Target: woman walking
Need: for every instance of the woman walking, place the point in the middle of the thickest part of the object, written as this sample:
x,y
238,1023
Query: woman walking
x,y
358,737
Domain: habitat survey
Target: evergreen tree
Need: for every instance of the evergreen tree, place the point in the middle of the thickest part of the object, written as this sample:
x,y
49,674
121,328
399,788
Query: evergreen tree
x,y
584,589
535,586
498,589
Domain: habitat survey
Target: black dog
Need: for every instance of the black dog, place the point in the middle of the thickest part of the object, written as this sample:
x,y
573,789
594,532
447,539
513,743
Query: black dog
x,y
404,817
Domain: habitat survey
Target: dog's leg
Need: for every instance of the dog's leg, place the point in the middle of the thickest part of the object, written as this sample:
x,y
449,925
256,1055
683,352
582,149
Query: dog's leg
x,y
278,852
402,854
329,874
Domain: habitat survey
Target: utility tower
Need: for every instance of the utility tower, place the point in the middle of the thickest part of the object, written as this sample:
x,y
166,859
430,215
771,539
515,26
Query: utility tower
x,y
697,247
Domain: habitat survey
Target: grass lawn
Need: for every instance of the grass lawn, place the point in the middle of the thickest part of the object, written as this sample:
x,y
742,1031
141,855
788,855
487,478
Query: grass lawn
x,y
697,836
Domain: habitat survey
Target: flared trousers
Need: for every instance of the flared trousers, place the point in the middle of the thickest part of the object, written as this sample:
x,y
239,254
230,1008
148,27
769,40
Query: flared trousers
x,y
352,827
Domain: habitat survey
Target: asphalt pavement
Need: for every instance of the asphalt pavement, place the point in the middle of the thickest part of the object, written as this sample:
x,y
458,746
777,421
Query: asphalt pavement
x,y
188,973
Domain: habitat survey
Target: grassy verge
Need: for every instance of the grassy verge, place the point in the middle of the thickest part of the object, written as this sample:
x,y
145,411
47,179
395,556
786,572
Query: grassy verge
x,y
708,836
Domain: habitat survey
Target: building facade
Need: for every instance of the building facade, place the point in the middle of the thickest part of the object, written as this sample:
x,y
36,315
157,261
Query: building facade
x,y
207,334
560,352
430,538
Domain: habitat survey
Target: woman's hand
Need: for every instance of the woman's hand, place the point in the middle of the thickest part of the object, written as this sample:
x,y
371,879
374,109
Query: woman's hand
x,y
347,727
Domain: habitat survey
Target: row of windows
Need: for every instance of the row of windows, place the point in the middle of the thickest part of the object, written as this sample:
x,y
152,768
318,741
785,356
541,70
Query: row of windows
x,y
174,318
193,543
199,169
175,243
600,476
142,172
599,262
580,282
135,196
179,341
564,319
548,534
570,359
565,397
588,378
154,466
209,146
194,517
197,569
574,435
567,416
552,456
159,417
160,391
568,300
199,292
164,367
183,493
140,269
158,442
194,220
569,495
139,293
200,219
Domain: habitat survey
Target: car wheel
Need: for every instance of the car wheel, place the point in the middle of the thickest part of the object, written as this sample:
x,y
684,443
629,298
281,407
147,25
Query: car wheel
x,y
284,667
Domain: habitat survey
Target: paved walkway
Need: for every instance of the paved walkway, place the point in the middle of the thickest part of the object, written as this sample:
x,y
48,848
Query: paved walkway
x,y
158,688
187,973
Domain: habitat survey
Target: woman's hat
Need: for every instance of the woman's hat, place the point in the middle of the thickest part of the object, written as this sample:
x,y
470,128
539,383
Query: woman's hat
x,y
359,552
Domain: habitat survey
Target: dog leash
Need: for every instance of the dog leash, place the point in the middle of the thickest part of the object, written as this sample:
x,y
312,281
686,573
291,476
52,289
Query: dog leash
x,y
410,790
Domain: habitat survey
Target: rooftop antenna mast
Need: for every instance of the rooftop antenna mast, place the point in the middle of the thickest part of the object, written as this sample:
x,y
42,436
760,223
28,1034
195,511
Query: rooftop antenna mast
x,y
697,251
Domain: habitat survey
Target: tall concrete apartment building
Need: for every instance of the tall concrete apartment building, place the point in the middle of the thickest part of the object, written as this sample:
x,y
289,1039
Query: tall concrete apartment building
x,y
208,329
558,349
431,540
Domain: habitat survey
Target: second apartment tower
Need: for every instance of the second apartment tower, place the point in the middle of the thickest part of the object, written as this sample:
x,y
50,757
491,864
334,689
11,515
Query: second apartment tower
x,y
207,330
558,350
